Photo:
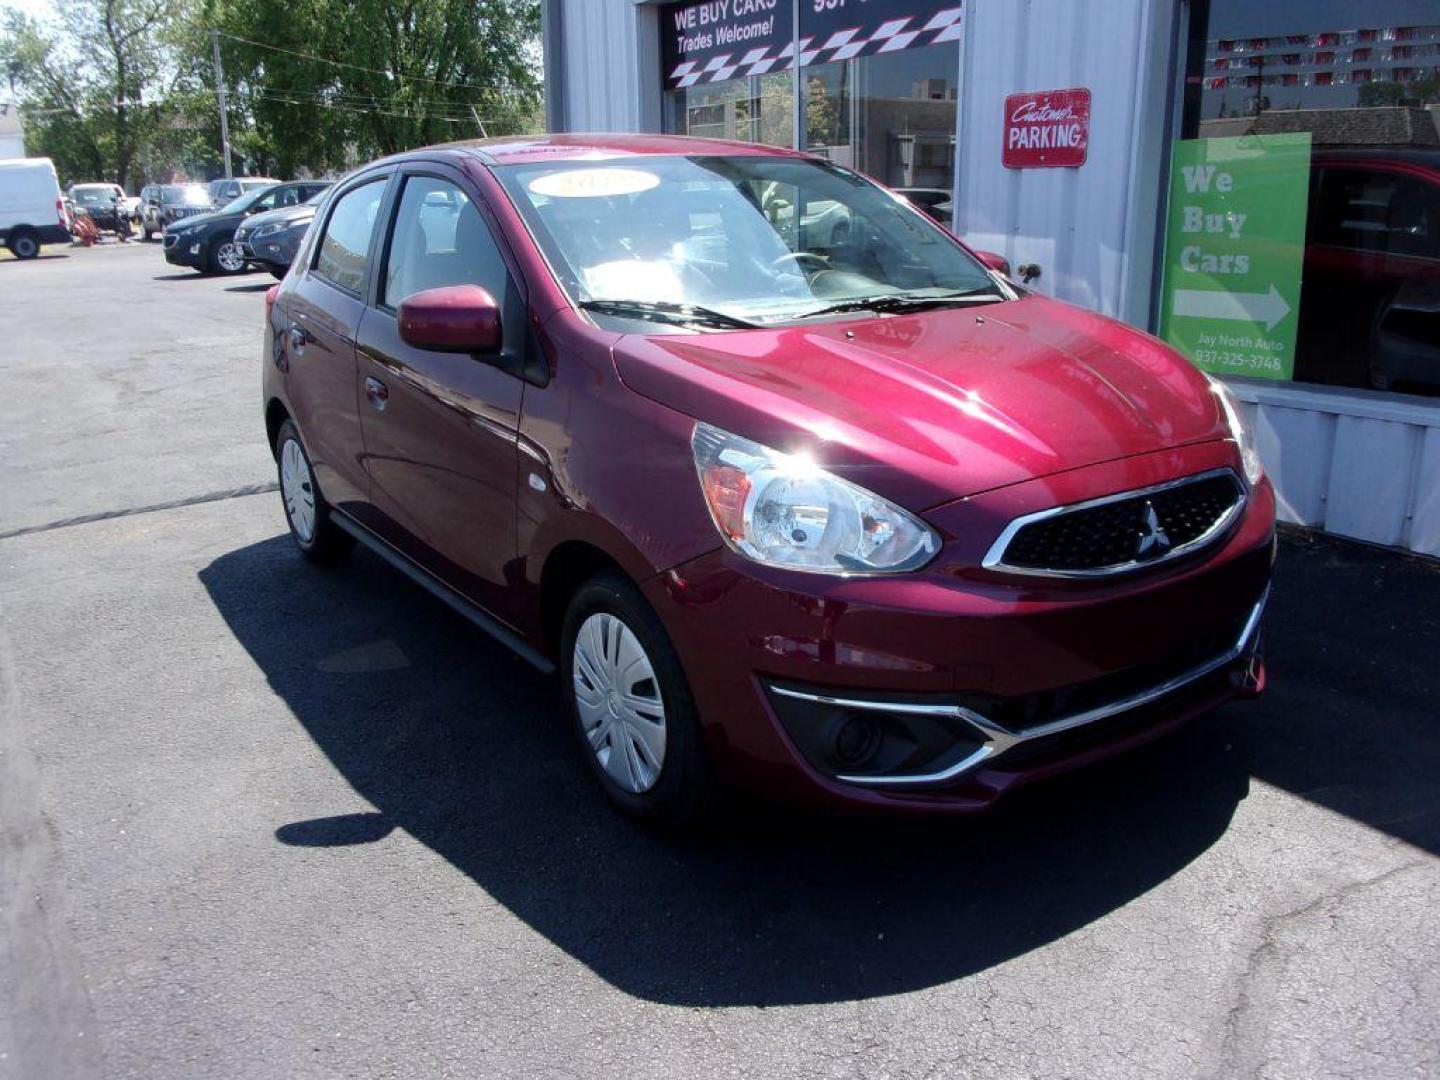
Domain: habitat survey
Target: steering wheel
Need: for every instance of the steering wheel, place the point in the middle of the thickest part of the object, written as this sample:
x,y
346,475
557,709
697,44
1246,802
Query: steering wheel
x,y
796,256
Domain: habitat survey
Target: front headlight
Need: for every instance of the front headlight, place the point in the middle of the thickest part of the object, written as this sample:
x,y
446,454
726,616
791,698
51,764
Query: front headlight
x,y
784,510
1244,440
269,230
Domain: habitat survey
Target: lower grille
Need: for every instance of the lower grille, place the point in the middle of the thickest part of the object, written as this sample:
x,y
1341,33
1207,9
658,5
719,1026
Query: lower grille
x,y
1124,532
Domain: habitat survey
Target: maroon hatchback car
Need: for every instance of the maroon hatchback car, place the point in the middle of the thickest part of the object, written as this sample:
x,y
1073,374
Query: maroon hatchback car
x,y
842,516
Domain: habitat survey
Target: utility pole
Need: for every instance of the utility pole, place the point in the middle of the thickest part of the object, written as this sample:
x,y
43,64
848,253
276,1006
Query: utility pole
x,y
220,93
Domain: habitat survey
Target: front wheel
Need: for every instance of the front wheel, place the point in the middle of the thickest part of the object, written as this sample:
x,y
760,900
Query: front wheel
x,y
634,717
225,258
306,511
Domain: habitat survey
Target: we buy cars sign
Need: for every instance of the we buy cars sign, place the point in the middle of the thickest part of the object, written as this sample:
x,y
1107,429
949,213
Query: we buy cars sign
x,y
1047,129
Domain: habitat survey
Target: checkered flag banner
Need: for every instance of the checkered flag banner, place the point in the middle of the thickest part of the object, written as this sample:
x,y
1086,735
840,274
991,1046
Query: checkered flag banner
x,y
892,35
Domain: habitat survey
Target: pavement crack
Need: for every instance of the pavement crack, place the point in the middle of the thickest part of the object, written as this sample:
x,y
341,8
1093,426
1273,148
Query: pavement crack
x,y
173,504
1267,950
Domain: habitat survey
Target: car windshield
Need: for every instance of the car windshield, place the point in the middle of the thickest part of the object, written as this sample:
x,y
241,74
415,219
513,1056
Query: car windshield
x,y
753,238
249,199
185,194
93,196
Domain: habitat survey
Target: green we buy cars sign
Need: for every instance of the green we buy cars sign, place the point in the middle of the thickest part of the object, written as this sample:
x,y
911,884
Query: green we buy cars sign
x,y
1234,247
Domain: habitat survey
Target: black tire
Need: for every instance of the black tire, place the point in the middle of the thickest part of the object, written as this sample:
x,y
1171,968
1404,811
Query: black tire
x,y
148,234
212,258
686,793
278,273
328,545
24,244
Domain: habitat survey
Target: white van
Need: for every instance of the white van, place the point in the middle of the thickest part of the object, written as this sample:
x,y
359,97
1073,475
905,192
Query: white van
x,y
32,211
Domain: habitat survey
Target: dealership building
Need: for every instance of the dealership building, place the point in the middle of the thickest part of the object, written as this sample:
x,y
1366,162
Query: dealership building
x,y
1259,184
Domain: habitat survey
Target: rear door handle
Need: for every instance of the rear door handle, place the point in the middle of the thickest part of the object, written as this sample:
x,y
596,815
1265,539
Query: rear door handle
x,y
377,393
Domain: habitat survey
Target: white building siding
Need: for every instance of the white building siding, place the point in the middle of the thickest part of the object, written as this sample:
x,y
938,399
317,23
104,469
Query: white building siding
x,y
1091,229
1358,465
611,76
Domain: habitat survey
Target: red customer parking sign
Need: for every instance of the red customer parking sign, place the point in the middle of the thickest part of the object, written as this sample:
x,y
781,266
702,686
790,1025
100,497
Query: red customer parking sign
x,y
1046,129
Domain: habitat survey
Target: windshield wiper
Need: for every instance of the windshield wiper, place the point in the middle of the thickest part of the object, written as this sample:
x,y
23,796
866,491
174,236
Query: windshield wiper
x,y
899,303
669,312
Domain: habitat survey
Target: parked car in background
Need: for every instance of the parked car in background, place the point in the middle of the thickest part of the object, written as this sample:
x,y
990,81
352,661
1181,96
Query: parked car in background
x,y
207,243
867,526
178,202
935,202
32,209
151,220
104,204
1370,302
270,240
228,189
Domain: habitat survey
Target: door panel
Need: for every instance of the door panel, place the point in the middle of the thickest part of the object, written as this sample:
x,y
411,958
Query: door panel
x,y
440,428
440,450
323,309
320,383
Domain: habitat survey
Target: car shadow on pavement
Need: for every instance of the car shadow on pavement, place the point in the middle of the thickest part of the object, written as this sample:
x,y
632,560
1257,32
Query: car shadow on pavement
x,y
258,287
467,749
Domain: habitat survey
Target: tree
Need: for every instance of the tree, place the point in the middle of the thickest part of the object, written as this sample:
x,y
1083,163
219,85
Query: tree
x,y
1376,94
91,94
390,75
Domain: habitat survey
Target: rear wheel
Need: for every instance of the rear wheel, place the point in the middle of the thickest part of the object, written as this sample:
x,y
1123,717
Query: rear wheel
x,y
634,717
306,511
24,244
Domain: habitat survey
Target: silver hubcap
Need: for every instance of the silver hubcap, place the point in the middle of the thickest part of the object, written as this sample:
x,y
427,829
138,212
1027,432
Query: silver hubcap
x,y
618,698
298,491
228,256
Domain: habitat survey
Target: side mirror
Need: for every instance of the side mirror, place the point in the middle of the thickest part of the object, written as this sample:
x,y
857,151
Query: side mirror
x,y
994,261
455,318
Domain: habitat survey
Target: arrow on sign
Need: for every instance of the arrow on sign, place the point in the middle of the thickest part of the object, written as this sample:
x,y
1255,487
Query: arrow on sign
x,y
1262,307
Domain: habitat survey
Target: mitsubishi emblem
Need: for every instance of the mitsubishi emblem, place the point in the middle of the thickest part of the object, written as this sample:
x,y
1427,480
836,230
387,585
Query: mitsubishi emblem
x,y
1152,538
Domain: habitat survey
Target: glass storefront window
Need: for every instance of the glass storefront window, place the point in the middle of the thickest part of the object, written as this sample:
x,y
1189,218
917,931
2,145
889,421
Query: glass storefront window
x,y
878,82
1303,232
890,115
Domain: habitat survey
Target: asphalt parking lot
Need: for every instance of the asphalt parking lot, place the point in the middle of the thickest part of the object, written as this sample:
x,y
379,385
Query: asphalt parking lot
x,y
262,820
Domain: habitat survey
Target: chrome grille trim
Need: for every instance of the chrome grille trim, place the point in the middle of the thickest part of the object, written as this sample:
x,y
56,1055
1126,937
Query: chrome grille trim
x,y
999,739
995,557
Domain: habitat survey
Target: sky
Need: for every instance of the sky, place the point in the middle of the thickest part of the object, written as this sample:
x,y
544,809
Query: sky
x,y
1247,18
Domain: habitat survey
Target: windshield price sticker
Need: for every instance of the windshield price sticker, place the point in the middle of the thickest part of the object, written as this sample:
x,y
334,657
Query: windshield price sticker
x,y
594,183
1234,249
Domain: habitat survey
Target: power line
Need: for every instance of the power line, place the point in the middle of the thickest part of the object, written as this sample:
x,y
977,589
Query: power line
x,y
358,67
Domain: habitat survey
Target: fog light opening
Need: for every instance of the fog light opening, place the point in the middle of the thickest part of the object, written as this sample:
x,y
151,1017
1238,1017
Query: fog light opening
x,y
856,740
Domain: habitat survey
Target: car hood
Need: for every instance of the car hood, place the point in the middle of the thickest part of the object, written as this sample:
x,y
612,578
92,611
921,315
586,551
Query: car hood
x,y
938,405
201,220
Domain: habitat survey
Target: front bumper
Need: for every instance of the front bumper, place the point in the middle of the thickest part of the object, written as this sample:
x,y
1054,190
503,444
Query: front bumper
x,y
182,250
1032,677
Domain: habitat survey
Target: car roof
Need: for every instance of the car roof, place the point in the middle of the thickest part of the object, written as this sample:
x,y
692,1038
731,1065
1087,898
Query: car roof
x,y
528,149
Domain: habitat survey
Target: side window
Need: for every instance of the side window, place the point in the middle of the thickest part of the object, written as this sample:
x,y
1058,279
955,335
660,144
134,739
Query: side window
x,y
346,242
440,238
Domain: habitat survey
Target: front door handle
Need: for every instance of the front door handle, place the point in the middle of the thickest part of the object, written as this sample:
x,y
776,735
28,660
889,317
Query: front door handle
x,y
298,339
377,393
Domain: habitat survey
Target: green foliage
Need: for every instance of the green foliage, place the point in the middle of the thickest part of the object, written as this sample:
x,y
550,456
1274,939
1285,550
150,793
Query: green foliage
x,y
125,90
327,83
1393,93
